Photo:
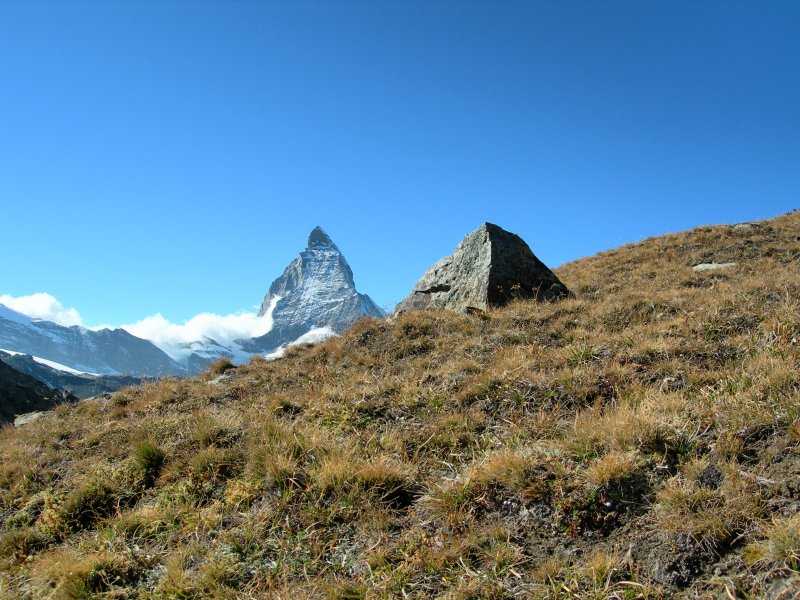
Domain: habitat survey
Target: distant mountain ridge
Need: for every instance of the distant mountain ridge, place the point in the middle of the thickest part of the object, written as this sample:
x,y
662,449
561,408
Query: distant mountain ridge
x,y
105,352
80,385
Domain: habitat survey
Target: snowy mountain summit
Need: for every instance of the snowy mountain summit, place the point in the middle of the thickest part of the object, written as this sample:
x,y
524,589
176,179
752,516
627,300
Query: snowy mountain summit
x,y
316,296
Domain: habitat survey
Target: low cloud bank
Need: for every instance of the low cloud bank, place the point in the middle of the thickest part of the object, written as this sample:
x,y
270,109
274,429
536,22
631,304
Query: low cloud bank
x,y
224,329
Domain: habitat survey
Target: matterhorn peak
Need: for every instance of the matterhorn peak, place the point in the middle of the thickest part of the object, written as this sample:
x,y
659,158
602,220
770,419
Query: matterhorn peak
x,y
315,293
318,237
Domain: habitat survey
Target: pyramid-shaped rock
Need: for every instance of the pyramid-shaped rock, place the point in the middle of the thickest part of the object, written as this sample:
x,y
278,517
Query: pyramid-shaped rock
x,y
490,267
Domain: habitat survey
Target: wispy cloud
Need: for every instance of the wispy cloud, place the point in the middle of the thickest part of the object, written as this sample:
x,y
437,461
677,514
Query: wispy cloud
x,y
222,328
42,306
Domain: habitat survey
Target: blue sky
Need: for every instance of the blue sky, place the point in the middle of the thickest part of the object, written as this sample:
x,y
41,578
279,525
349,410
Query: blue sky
x,y
171,156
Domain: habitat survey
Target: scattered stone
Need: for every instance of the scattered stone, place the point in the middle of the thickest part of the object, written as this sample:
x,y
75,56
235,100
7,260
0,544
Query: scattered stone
x,y
713,266
220,379
747,226
785,587
30,417
103,399
711,478
490,267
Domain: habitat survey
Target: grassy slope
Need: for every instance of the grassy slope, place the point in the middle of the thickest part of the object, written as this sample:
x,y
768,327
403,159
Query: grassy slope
x,y
639,440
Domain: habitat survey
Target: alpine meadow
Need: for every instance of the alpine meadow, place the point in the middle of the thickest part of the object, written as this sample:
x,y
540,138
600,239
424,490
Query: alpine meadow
x,y
640,439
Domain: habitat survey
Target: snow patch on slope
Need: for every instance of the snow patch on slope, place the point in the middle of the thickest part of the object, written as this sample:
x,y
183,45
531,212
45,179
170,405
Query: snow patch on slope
x,y
50,363
312,337
12,315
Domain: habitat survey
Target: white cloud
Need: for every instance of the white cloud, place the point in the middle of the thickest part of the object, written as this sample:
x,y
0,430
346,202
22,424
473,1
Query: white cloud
x,y
222,328
42,306
168,336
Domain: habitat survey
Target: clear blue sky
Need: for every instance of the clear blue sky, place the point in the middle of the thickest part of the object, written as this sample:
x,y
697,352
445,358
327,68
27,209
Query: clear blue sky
x,y
172,156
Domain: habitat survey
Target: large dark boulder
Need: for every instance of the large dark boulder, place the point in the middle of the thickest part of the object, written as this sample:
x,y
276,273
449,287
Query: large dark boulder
x,y
489,268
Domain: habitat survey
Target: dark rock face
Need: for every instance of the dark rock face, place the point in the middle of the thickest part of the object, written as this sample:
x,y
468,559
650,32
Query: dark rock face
x,y
490,267
21,393
315,292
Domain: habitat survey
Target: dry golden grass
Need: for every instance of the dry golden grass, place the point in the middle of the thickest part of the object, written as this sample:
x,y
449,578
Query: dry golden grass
x,y
780,545
620,444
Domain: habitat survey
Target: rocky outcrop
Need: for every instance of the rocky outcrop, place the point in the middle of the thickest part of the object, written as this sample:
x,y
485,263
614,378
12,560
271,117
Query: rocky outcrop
x,y
315,293
489,268
713,266
21,393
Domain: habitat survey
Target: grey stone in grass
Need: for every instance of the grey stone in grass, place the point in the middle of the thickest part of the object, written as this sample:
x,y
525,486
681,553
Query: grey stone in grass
x,y
713,266
489,268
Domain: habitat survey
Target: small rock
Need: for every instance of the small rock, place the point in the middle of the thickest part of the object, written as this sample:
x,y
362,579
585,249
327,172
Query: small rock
x,y
747,226
713,266
784,588
103,399
30,417
711,478
220,379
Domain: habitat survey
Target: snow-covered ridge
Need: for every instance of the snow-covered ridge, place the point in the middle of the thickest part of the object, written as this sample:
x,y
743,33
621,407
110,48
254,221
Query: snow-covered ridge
x,y
12,315
104,352
49,363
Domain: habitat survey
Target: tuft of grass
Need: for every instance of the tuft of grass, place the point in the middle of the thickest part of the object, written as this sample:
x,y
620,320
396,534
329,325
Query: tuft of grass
x,y
80,577
208,469
780,545
712,517
506,468
342,475
149,458
213,429
147,523
612,469
223,365
86,505
20,543
277,470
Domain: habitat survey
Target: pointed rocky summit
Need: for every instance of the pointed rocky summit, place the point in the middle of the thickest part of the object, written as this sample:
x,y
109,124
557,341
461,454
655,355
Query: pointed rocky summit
x,y
490,267
316,293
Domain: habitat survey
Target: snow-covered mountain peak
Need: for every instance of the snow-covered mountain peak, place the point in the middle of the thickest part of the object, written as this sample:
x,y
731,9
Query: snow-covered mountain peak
x,y
315,291
318,238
